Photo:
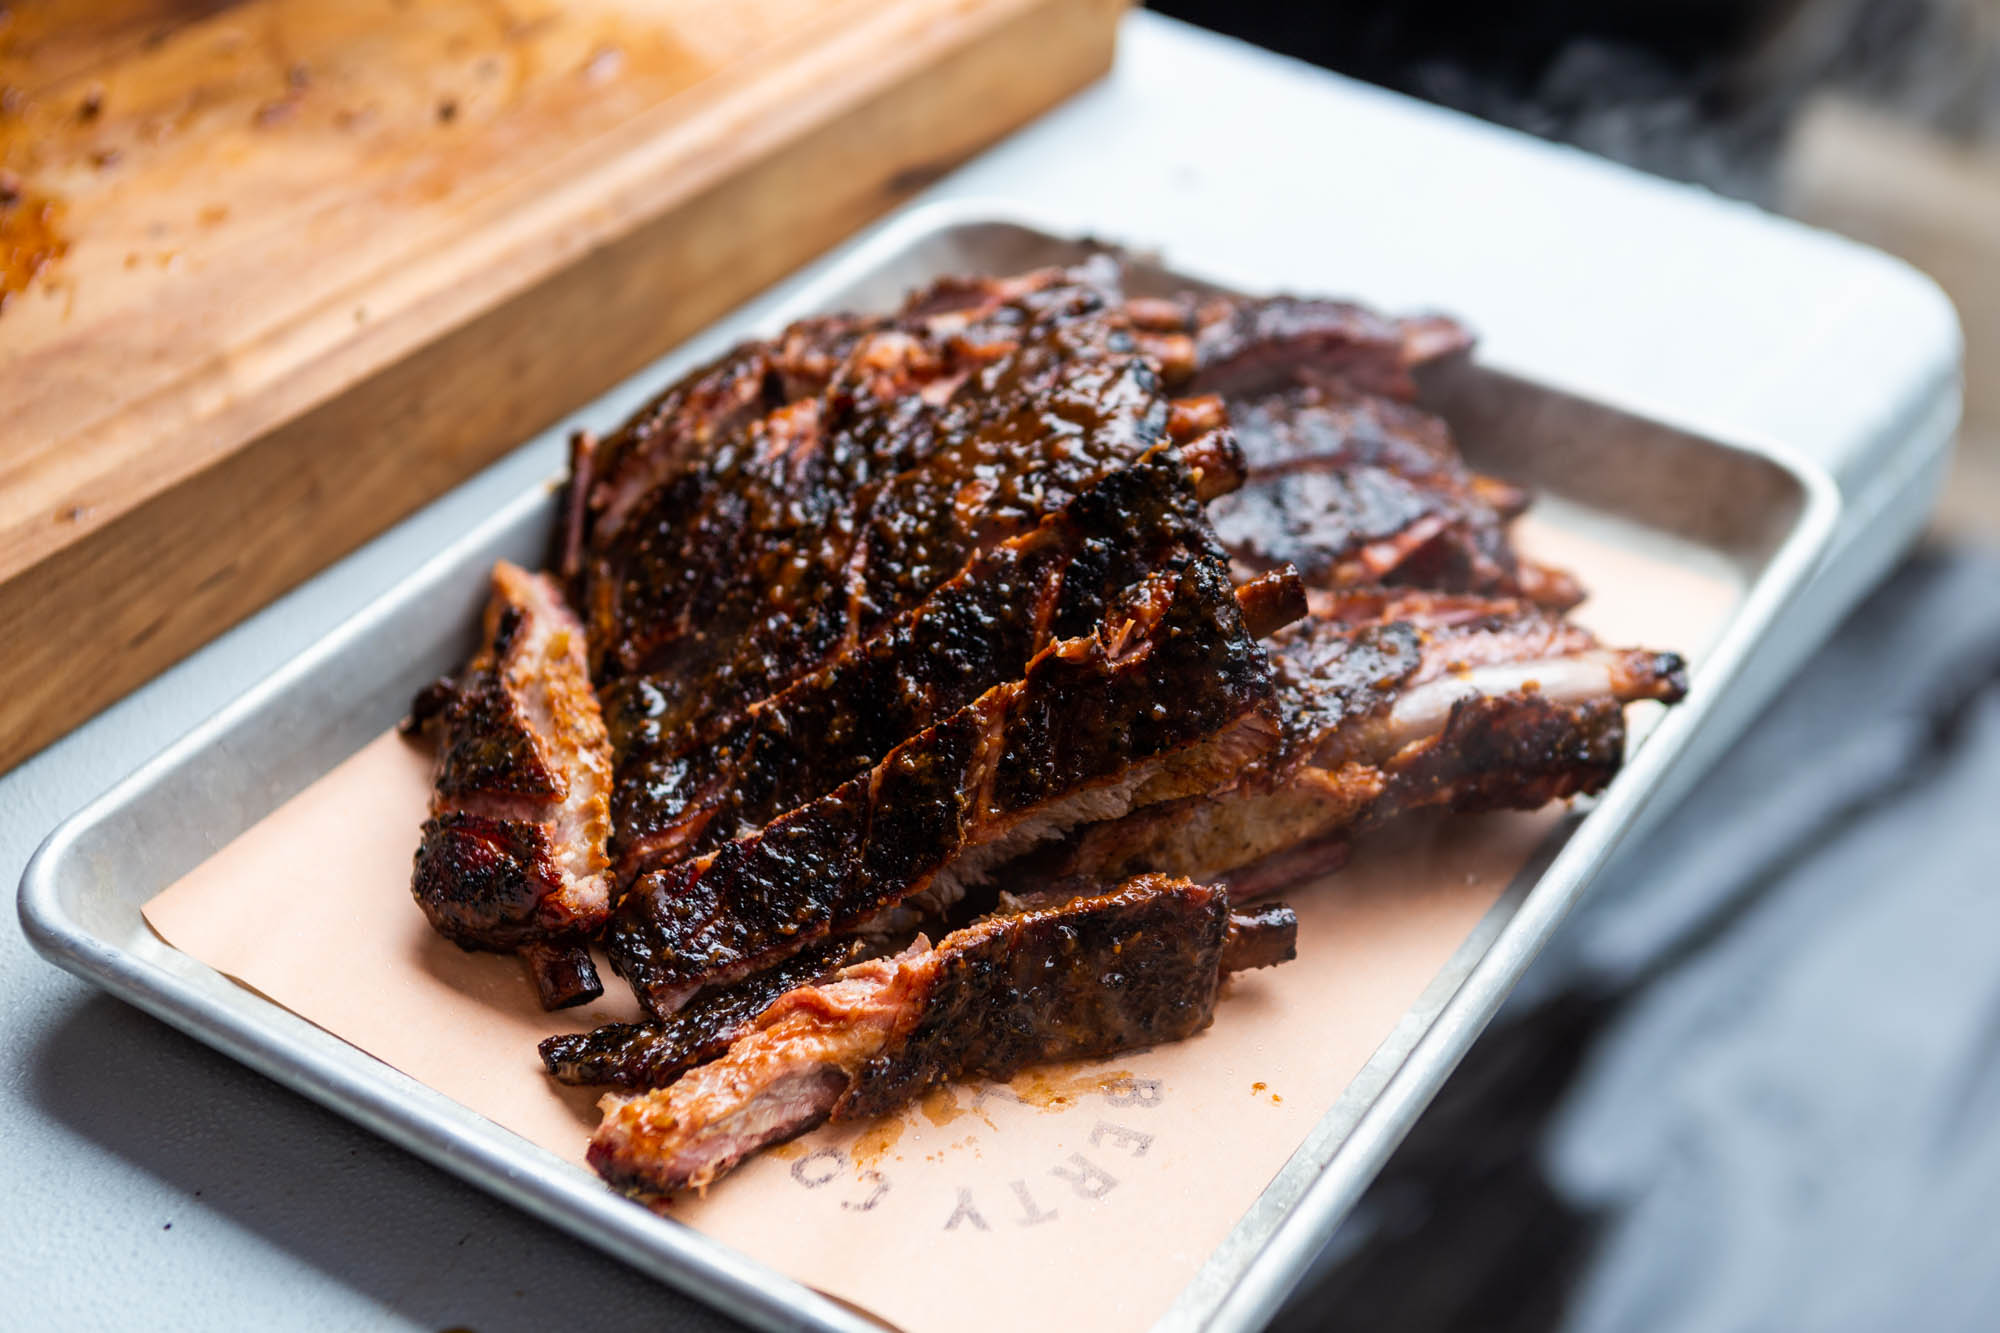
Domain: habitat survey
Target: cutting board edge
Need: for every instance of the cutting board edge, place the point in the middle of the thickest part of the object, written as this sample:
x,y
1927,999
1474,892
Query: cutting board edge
x,y
238,393
142,590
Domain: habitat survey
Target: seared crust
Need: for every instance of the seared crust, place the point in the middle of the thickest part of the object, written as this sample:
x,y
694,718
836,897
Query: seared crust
x,y
682,794
491,747
1134,967
860,492
1085,978
652,1055
513,856
1389,701
669,435
1084,732
481,881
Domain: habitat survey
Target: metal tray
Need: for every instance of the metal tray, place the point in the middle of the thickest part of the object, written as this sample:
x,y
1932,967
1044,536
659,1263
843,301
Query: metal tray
x,y
1745,509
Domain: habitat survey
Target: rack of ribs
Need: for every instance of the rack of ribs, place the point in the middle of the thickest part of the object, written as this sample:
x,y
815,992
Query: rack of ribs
x,y
835,520
1080,979
1346,478
512,858
684,793
956,490
1085,733
1026,582
1390,701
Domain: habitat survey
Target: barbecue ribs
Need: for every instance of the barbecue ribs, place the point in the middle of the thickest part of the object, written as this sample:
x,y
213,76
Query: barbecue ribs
x,y
513,856
1085,733
1359,489
1084,978
887,610
652,1055
1390,701
881,507
685,793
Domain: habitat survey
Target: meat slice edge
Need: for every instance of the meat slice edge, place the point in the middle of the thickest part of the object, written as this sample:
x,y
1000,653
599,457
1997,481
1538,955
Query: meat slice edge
x,y
1390,703
1136,966
687,793
652,1055
513,856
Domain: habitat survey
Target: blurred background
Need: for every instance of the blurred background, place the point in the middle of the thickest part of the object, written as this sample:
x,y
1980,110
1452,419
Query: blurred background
x,y
1876,118
1755,1083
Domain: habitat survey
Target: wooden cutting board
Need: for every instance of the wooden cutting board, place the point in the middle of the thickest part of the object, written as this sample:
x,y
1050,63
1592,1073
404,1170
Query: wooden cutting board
x,y
275,272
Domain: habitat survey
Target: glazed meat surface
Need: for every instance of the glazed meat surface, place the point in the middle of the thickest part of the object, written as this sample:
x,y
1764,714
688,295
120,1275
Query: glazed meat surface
x,y
1346,478
513,856
1027,582
831,514
1392,701
673,438
857,545
1364,490
1246,346
672,433
681,794
1083,734
1087,978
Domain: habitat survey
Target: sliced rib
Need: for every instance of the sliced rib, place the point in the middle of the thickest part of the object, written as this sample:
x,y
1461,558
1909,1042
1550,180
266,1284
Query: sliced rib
x,y
652,1055
1362,489
683,792
1134,967
637,1056
513,856
1159,705
1388,702
1346,478
1245,346
681,429
783,504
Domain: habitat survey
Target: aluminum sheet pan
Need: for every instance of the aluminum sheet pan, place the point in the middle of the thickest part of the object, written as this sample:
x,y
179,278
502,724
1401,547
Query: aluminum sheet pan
x,y
1746,509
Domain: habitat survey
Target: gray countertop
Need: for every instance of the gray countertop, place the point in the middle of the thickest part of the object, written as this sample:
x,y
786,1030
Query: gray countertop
x,y
149,1179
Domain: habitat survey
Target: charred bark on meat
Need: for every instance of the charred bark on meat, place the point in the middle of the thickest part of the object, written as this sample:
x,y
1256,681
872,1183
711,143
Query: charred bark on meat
x,y
1089,719
1089,977
513,856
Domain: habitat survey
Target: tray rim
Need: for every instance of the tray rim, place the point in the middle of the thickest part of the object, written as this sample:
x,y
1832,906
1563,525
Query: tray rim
x,y
1270,1246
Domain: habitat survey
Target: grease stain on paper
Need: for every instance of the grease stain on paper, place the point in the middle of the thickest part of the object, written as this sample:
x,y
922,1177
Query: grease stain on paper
x,y
940,1106
1053,1090
876,1140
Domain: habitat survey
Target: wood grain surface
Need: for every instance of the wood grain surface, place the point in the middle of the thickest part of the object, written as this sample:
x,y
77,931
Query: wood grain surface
x,y
277,272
